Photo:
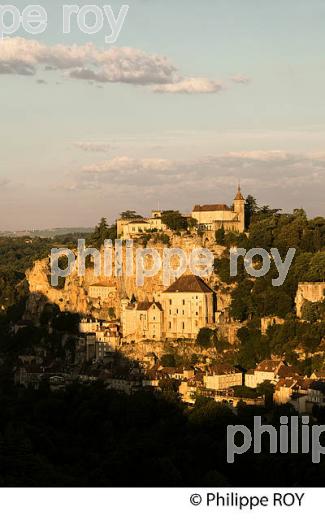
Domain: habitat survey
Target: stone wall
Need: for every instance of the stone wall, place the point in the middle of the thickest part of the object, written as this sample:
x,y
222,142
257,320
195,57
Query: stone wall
x,y
308,291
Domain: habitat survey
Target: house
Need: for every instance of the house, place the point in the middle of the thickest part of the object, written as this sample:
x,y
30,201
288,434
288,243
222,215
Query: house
x,y
318,375
222,376
267,370
141,320
101,291
217,216
130,229
188,306
89,324
301,392
86,347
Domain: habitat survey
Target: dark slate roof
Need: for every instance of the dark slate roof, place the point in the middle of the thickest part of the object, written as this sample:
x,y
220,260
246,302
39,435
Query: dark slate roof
x,y
189,283
145,306
239,195
211,207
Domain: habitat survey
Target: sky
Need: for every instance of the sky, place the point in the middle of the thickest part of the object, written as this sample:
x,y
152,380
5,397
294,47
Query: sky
x,y
191,98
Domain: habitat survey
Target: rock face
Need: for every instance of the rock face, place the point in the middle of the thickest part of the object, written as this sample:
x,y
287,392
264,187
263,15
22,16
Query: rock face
x,y
309,291
74,296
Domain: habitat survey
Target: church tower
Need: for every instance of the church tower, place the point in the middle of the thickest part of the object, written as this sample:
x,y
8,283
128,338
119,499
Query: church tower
x,y
239,208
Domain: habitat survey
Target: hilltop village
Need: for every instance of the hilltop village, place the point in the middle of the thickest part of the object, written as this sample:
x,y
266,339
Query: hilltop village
x,y
233,340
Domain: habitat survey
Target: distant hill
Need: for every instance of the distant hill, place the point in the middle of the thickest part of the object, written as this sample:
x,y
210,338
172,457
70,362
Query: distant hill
x,y
46,233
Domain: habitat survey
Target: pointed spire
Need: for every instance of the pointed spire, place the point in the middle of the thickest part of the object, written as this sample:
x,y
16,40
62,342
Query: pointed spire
x,y
239,194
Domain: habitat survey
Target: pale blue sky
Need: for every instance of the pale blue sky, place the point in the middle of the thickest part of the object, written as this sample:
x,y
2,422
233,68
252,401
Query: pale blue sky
x,y
62,139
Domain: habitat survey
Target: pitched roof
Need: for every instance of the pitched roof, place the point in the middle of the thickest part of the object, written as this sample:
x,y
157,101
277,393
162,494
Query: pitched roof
x,y
222,369
211,207
268,365
145,306
286,371
100,284
239,195
189,283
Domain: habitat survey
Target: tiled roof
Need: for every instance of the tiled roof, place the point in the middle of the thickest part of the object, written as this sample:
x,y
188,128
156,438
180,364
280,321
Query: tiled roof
x,y
222,369
285,371
268,365
189,283
211,207
145,306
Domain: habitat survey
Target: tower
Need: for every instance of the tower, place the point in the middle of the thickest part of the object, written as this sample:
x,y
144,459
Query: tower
x,y
239,208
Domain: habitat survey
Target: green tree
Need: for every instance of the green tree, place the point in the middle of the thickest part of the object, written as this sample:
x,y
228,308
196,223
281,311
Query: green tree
x,y
251,208
220,236
174,220
205,337
130,214
103,232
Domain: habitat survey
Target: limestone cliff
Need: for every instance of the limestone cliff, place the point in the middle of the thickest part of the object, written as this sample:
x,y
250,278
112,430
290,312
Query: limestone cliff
x,y
74,296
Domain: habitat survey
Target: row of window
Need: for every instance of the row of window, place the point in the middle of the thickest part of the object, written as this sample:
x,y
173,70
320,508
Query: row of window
x,y
183,301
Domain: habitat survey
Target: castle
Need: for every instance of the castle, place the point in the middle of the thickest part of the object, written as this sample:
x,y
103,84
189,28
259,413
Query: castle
x,y
215,216
184,308
209,217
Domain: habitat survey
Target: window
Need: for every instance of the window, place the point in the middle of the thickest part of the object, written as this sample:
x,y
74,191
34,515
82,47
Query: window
x,y
170,302
183,325
170,325
183,302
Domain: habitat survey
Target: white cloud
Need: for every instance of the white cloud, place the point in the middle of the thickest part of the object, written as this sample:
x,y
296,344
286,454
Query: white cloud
x,y
93,146
197,179
240,78
87,62
124,65
129,165
190,86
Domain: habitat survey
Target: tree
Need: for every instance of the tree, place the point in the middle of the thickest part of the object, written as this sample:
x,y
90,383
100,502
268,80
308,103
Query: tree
x,y
267,389
103,232
205,337
316,272
174,220
130,214
251,208
313,311
220,236
168,360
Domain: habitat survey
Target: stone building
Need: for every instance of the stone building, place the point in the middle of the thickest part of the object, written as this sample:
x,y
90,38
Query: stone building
x,y
102,291
269,321
182,310
222,376
309,291
141,320
215,216
188,306
129,229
